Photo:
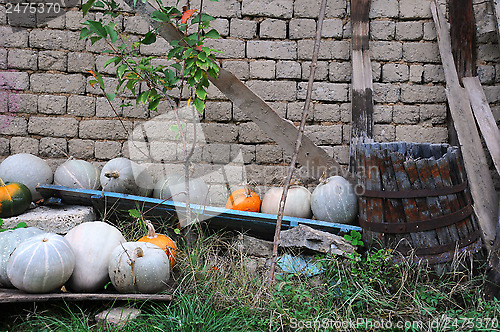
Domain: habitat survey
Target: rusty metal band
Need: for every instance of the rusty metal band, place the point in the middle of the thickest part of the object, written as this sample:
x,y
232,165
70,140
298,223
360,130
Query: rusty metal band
x,y
415,193
418,226
445,248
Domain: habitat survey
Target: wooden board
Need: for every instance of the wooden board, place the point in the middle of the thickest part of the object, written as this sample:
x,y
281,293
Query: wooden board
x,y
480,181
496,4
462,36
484,117
14,295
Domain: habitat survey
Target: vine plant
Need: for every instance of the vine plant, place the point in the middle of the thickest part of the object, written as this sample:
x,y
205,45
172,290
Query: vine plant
x,y
192,63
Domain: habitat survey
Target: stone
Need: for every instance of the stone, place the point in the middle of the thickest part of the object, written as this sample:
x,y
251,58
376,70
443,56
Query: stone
x,y
301,28
262,69
53,126
273,90
282,50
267,8
240,69
116,318
382,30
24,145
50,104
22,59
320,73
13,37
409,30
246,29
325,91
79,148
107,150
332,28
230,48
57,83
305,237
81,106
53,60
384,8
80,62
329,50
53,219
252,246
288,69
52,147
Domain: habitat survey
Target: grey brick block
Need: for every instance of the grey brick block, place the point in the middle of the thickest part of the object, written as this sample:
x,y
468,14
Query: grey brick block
x,y
263,69
295,110
328,50
104,110
384,133
250,133
324,91
217,153
421,134
13,37
246,29
4,101
53,147
13,125
341,154
224,8
105,129
24,145
327,112
58,83
100,61
101,46
3,16
395,72
340,71
220,132
301,28
53,126
382,113
384,8
267,8
218,111
53,20
386,93
382,30
80,62
3,58
435,113
421,52
346,133
53,60
49,104
221,25
332,28
13,80
416,73
422,94
22,103
278,107
406,114
167,151
433,74
135,111
107,150
241,152
492,93
320,73
273,28
306,8
324,135
81,106
74,19
160,47
110,84
430,31
4,146
488,52
288,69
269,154
409,30
214,93
282,50
486,74
79,148
135,24
345,112
415,9
47,39
22,59
240,69
231,48
273,90
386,50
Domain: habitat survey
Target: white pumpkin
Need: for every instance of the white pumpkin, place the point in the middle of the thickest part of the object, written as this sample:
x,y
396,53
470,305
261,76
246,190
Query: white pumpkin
x,y
173,187
139,267
334,200
9,240
78,174
92,244
122,175
41,264
27,169
298,202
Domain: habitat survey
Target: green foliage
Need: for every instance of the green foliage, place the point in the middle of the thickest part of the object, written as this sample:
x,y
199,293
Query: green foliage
x,y
354,238
21,224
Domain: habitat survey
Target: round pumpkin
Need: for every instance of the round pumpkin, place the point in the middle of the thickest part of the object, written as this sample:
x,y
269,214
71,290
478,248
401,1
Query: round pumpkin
x,y
27,169
92,243
298,202
122,175
244,200
139,267
173,187
78,174
41,264
15,198
9,240
162,241
334,200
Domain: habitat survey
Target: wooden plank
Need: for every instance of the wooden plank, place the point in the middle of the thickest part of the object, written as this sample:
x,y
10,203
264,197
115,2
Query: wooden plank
x,y
462,36
16,296
496,5
282,131
480,181
484,118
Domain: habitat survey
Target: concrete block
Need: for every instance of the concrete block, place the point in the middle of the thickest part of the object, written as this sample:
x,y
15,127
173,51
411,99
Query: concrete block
x,y
13,37
53,60
488,52
53,126
281,50
24,145
341,154
221,25
218,111
160,48
23,103
105,129
217,153
51,147
299,28
415,10
324,135
263,69
395,72
324,91
220,132
329,50
50,104
4,146
433,113
136,25
221,8
382,30
416,73
492,93
384,133
306,8
382,113
14,80
406,114
22,59
250,133
386,50
47,39
246,29
386,93
421,52
273,90
81,106
340,71
421,134
430,31
267,8
243,153
433,74
107,150
409,30
327,112
13,125
288,69
240,69
53,219
295,110
58,83
320,74
332,28
79,148
414,93
116,318
486,74
269,154
74,19
104,110
384,8
80,62
3,58
231,48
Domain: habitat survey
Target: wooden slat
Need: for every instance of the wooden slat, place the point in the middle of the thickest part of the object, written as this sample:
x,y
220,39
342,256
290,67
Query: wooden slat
x,y
480,181
484,118
462,36
372,182
496,5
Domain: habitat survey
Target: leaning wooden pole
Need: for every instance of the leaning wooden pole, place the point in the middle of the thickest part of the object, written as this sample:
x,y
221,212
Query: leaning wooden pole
x,y
298,142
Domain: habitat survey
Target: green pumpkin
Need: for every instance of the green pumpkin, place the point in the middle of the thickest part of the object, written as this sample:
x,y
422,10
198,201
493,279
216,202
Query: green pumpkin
x,y
15,198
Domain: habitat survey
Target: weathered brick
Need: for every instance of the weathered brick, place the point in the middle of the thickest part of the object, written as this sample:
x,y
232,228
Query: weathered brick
x,y
24,145
306,8
105,129
324,91
341,154
221,25
327,112
22,59
243,153
218,111
53,126
413,9
231,48
421,134
421,52
4,146
263,69
386,93
81,106
273,90
79,148
267,8
139,111
266,175
53,60
58,83
406,114
386,50
488,52
222,8
3,15
320,73
3,58
282,50
107,150
417,73
492,93
52,20
166,151
13,125
268,154
299,28
288,69
430,31
376,71
74,19
278,107
295,110
433,74
340,71
384,133
332,28
246,29
422,93
100,61
136,24
345,112
22,103
486,74
324,135
80,62
395,72
240,69
382,113
13,80
435,113
220,132
249,132
328,50
382,30
13,37
52,147
126,39
104,110
110,84
384,8
47,39
217,153
409,30
346,134
49,104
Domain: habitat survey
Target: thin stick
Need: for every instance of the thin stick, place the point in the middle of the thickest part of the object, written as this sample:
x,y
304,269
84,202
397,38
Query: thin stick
x,y
293,162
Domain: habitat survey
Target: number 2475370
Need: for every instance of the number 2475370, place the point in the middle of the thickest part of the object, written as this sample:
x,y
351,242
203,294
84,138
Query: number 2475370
x,y
32,8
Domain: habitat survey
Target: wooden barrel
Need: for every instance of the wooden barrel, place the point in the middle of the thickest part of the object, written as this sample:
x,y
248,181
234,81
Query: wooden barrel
x,y
415,197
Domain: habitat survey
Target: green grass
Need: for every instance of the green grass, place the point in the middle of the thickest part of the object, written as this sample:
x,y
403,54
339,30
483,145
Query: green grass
x,y
214,290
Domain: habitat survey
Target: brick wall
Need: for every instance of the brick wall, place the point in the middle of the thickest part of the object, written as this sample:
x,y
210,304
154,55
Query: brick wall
x,y
51,110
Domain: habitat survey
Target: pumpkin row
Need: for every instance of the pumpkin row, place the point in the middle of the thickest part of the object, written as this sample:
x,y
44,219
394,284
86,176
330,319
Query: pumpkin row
x,y
85,260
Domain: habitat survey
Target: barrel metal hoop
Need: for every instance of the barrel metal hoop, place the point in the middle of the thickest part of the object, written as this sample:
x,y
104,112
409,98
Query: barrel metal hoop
x,y
415,193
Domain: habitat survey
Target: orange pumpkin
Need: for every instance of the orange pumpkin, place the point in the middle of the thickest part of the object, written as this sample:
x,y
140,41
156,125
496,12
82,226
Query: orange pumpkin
x,y
162,241
244,200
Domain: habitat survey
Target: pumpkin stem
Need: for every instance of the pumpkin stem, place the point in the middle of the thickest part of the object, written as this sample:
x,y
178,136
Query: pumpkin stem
x,y
138,252
2,184
114,174
248,192
151,229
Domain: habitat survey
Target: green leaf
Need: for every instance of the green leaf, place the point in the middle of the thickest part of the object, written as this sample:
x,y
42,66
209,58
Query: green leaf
x,y
22,224
94,39
153,104
177,231
212,34
201,18
160,16
199,104
110,29
111,96
99,79
201,93
114,60
149,38
99,4
174,128
86,7
85,33
97,28
176,66
121,70
134,213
